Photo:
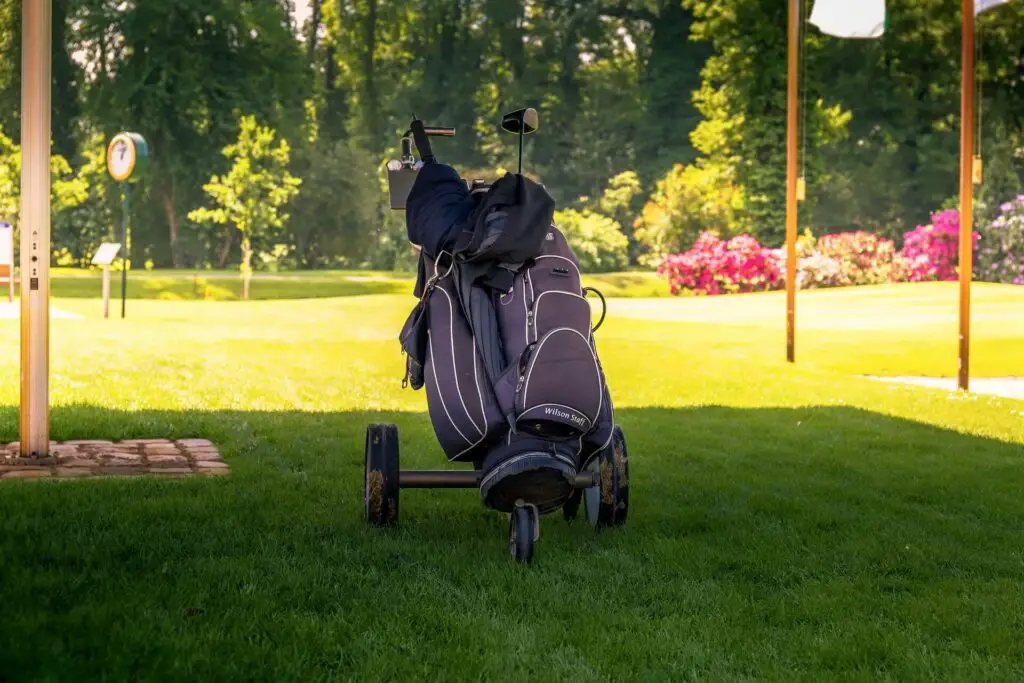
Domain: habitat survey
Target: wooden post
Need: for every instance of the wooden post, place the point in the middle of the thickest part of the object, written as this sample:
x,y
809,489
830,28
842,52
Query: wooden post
x,y
35,227
106,291
792,102
966,186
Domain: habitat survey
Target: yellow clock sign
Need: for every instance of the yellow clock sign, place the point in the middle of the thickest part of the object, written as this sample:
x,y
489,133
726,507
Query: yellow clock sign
x,y
127,155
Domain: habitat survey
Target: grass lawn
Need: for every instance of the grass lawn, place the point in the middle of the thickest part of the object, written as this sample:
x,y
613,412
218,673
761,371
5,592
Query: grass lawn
x,y
788,522
226,285
909,329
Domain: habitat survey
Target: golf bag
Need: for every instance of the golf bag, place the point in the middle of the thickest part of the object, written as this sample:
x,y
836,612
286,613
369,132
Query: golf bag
x,y
502,337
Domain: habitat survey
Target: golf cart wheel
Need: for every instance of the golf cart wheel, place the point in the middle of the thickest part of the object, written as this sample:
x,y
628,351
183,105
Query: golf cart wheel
x,y
607,504
380,495
523,531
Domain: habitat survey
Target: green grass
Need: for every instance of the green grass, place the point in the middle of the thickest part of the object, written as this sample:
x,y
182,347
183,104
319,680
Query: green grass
x,y
910,329
788,522
225,285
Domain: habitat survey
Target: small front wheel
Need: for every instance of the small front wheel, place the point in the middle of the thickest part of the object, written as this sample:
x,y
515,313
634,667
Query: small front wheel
x,y
380,493
523,531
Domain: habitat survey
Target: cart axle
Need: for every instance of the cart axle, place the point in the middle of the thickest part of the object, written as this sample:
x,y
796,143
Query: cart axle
x,y
455,479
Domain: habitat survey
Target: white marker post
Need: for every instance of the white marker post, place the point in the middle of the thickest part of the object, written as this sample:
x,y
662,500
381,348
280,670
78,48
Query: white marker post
x,y
35,227
7,259
105,255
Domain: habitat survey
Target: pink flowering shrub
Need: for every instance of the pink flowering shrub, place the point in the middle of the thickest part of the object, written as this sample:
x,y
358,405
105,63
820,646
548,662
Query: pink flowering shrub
x,y
1000,257
930,252
863,257
844,259
933,250
715,266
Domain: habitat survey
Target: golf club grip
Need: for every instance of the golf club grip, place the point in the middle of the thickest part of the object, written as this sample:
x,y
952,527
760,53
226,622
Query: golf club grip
x,y
419,134
440,132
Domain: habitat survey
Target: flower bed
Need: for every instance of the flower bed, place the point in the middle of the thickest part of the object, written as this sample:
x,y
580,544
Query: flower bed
x,y
715,266
930,252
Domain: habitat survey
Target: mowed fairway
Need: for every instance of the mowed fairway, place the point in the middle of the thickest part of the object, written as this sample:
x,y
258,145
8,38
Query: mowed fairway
x,y
787,522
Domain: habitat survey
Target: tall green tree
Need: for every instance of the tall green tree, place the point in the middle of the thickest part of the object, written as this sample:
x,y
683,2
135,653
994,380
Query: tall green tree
x,y
67,77
179,73
880,117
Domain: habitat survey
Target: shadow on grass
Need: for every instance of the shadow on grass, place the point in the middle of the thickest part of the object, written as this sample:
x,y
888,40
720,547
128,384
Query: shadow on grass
x,y
761,542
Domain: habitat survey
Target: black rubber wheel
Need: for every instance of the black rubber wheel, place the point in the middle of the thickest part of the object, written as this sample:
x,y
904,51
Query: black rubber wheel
x,y
522,533
380,492
607,503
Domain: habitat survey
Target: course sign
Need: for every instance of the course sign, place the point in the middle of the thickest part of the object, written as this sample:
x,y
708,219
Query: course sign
x,y
106,254
127,155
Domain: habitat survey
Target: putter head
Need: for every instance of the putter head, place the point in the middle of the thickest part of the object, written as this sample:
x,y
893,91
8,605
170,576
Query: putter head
x,y
523,121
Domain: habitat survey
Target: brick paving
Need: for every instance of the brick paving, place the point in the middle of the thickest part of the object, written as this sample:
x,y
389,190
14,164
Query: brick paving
x,y
130,458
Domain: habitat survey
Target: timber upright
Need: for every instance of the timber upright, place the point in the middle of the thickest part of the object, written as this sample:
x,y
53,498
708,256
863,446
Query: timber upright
x,y
502,339
34,217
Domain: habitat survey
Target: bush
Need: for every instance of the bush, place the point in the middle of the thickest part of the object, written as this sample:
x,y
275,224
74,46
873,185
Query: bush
x,y
621,202
714,266
687,201
864,258
932,250
818,271
1001,254
814,269
598,241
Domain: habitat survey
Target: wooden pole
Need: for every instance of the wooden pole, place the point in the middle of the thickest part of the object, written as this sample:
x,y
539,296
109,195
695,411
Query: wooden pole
x,y
791,176
35,228
966,186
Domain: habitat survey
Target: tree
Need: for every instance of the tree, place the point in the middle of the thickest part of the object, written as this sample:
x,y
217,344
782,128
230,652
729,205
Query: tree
x,y
66,190
335,216
178,73
250,196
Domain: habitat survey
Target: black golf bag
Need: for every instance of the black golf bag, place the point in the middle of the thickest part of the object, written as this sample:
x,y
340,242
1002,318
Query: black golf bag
x,y
502,338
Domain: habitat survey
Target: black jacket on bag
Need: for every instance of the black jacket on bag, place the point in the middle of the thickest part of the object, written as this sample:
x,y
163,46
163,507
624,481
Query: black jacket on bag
x,y
507,224
437,207
490,235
